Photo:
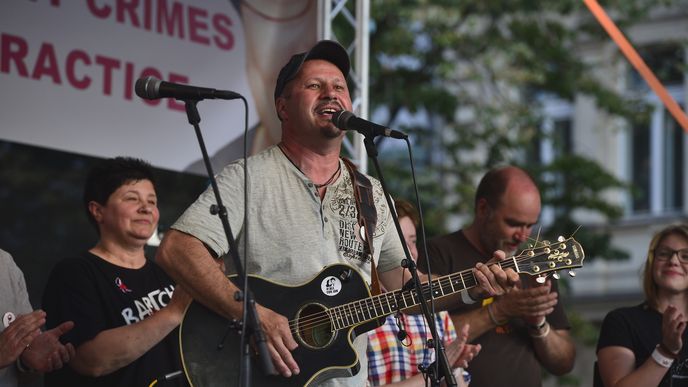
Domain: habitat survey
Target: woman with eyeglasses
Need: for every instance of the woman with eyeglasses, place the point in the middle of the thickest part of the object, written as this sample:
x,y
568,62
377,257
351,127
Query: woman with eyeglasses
x,y
643,345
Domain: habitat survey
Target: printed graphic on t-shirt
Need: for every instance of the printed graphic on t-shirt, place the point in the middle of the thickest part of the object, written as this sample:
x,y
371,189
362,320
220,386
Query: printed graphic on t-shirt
x,y
381,208
349,243
147,305
343,205
121,285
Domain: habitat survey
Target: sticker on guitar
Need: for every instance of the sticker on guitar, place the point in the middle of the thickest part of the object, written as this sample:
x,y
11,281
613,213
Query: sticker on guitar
x,y
331,286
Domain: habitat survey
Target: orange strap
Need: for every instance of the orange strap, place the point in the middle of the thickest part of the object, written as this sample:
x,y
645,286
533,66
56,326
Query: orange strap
x,y
637,62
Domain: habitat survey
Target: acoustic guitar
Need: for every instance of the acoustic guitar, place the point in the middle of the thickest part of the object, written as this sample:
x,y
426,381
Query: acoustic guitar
x,y
325,315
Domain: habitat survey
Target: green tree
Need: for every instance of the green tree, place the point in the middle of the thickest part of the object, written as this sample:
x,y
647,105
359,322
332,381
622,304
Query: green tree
x,y
476,70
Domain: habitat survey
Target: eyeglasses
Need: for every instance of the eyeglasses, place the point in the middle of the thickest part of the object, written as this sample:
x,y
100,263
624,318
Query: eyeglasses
x,y
665,254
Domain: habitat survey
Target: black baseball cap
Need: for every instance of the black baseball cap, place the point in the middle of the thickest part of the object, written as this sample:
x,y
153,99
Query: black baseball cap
x,y
328,50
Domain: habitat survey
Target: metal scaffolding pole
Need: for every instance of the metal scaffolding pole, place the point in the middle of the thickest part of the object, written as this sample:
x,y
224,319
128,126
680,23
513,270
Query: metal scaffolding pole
x,y
356,15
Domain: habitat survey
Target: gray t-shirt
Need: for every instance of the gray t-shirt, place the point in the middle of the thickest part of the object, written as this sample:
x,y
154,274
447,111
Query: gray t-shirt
x,y
291,234
13,299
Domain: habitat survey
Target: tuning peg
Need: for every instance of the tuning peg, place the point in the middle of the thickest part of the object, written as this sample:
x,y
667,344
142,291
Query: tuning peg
x,y
572,273
541,279
556,275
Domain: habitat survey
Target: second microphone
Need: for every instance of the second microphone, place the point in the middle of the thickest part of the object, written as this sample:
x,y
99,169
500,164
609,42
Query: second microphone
x,y
153,88
346,120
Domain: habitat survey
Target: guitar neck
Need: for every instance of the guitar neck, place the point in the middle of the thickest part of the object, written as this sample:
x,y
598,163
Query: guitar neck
x,y
382,305
535,261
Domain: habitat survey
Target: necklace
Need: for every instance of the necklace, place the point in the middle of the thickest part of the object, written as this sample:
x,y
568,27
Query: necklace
x,y
331,179
318,186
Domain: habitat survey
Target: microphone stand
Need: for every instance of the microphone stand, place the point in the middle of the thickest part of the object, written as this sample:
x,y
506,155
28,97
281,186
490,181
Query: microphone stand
x,y
440,355
250,324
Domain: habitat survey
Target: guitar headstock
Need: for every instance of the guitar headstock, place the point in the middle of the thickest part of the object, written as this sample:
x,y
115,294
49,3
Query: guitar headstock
x,y
550,257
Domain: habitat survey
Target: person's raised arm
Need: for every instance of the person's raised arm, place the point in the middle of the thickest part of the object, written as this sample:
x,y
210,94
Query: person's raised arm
x,y
617,368
491,280
617,363
554,348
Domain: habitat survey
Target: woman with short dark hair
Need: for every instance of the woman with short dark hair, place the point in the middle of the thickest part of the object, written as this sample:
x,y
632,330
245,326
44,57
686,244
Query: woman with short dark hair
x,y
122,304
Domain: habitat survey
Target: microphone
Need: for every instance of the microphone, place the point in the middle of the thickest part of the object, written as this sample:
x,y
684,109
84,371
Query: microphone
x,y
346,120
152,88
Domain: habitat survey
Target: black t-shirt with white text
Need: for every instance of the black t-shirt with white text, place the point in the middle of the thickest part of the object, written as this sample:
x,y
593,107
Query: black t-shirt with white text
x,y
98,296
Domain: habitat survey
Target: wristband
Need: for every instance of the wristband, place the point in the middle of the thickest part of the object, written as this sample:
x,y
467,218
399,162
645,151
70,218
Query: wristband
x,y
543,334
492,317
661,359
466,298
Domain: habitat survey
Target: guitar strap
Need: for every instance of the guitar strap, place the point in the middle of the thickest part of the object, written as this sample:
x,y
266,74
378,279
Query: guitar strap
x,y
367,218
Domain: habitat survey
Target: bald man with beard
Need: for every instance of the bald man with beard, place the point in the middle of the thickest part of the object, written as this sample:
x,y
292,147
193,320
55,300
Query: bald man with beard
x,y
526,327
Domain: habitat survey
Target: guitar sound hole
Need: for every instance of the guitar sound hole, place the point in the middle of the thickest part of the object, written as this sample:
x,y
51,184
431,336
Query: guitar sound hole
x,y
314,326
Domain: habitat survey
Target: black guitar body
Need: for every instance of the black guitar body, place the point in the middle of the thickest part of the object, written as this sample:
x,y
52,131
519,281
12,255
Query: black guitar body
x,y
211,348
326,313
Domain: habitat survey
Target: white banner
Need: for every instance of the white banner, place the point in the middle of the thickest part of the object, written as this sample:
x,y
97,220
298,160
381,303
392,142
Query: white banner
x,y
68,68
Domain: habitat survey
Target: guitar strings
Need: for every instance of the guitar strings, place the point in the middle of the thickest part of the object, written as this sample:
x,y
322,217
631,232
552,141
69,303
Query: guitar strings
x,y
323,318
349,319
349,313
344,312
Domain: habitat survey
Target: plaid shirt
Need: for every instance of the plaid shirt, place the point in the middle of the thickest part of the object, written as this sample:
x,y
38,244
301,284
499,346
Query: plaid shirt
x,y
389,361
